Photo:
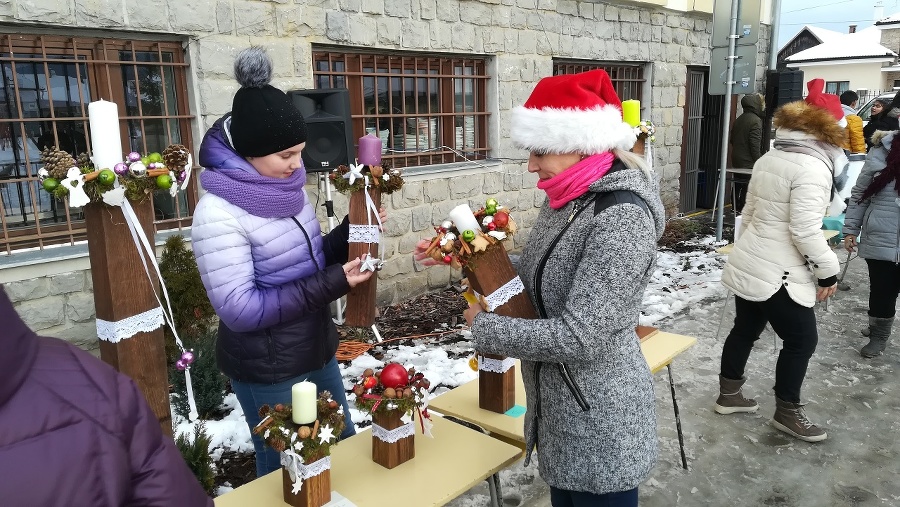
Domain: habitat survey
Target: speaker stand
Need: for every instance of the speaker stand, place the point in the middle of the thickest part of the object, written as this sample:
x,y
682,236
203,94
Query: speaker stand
x,y
325,186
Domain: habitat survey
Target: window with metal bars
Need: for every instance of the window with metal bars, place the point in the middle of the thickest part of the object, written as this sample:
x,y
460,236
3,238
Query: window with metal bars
x,y
427,109
46,84
627,78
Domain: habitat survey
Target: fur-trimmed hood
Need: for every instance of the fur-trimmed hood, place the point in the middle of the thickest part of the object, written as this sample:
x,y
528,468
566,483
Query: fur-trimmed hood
x,y
815,121
880,135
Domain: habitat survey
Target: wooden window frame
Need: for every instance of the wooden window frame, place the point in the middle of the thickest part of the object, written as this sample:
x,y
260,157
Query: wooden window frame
x,y
340,68
105,65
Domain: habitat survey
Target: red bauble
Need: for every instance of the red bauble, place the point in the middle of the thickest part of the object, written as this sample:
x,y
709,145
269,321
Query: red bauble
x,y
501,219
448,259
370,382
394,375
492,226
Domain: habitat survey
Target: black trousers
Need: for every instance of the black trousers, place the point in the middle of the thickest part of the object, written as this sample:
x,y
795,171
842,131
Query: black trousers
x,y
884,285
793,323
741,182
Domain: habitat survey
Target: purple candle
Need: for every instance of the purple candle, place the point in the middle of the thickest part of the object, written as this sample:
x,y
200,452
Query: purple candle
x,y
369,150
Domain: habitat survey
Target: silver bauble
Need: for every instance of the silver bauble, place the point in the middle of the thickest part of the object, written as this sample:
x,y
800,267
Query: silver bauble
x,y
137,169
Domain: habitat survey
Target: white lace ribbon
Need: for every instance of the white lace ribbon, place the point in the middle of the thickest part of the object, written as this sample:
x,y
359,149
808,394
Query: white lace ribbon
x,y
502,295
495,365
300,472
364,234
119,330
394,435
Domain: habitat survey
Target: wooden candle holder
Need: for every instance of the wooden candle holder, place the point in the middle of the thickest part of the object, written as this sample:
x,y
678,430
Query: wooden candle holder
x,y
316,490
390,455
492,270
640,145
360,310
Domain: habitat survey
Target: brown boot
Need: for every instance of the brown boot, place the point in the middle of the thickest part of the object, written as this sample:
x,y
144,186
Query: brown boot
x,y
790,418
730,398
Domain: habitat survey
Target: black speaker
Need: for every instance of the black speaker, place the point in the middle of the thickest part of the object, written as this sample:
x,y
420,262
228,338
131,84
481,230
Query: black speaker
x,y
790,86
329,141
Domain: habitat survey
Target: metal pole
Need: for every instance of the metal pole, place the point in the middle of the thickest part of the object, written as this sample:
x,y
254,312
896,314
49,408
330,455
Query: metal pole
x,y
329,212
726,121
773,34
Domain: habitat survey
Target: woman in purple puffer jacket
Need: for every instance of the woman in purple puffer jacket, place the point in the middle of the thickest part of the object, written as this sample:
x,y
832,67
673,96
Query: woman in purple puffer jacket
x,y
73,431
268,270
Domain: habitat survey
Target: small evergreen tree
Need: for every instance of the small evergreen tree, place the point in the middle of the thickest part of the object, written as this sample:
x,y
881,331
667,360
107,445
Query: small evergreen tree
x,y
193,313
208,382
196,455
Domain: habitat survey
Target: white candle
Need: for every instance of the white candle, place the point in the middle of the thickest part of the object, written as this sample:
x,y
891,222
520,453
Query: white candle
x,y
464,219
303,401
106,141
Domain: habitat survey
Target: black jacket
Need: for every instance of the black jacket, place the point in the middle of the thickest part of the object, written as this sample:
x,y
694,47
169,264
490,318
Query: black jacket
x,y
746,136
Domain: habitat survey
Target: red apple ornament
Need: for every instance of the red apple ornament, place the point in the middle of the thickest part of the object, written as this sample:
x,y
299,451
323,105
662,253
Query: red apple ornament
x,y
394,375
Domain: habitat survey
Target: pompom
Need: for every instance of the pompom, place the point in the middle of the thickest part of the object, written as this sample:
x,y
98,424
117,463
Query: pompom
x,y
253,67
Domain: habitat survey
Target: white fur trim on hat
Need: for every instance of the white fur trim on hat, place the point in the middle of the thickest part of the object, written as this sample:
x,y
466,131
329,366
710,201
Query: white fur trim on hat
x,y
843,122
587,131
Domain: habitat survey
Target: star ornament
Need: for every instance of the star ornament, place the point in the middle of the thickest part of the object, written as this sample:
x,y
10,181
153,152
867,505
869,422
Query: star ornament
x,y
354,173
298,485
370,263
326,434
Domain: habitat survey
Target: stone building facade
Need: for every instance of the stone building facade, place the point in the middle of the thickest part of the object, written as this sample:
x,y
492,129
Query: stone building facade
x,y
520,40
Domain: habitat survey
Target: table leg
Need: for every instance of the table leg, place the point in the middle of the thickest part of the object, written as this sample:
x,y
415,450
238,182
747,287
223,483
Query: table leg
x,y
677,417
493,480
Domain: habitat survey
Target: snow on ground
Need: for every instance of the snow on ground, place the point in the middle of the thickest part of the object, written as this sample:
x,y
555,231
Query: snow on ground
x,y
680,281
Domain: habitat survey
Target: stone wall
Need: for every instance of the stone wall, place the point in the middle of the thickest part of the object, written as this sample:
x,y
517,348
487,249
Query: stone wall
x,y
520,37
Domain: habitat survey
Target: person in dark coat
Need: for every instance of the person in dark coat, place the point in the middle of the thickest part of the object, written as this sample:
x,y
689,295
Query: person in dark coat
x,y
886,120
746,138
77,432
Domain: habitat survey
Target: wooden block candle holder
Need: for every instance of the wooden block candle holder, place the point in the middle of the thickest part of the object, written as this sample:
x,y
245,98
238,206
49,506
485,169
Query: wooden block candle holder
x,y
487,273
391,454
316,490
360,310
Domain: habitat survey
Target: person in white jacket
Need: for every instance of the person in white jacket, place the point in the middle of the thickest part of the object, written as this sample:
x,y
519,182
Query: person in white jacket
x,y
781,263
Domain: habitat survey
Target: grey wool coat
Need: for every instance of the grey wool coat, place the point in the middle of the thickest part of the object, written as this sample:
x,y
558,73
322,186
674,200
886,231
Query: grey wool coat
x,y
878,217
592,286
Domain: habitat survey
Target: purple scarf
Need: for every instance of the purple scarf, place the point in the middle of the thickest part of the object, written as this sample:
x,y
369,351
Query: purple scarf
x,y
258,195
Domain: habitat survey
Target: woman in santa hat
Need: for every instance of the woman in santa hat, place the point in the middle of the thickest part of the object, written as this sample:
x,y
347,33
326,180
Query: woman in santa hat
x,y
585,266
781,263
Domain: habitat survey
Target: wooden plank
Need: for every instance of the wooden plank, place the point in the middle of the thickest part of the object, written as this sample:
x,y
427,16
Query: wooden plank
x,y
360,310
315,491
390,455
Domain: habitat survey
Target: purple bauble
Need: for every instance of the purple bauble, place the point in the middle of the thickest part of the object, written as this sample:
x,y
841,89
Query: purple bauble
x,y
181,176
134,156
187,356
121,169
180,364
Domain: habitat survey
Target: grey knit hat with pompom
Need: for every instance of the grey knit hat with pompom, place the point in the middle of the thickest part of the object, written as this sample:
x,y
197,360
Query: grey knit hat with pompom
x,y
263,119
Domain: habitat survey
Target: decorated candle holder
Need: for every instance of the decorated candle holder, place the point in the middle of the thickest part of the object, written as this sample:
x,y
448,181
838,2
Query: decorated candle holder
x,y
394,396
645,132
135,177
474,242
365,184
305,449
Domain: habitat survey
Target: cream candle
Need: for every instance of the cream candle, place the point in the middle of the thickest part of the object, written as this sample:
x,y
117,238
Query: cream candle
x,y
631,112
464,219
106,140
303,401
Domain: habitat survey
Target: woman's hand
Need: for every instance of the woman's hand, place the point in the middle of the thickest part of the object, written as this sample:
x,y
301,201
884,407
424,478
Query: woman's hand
x,y
354,275
471,312
850,242
823,293
419,253
382,214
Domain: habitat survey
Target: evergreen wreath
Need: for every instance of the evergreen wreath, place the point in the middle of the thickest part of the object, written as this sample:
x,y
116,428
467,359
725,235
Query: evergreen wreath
x,y
392,388
349,179
311,442
460,248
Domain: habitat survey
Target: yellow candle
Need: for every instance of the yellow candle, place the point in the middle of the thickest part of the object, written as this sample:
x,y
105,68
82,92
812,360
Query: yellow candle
x,y
303,401
631,112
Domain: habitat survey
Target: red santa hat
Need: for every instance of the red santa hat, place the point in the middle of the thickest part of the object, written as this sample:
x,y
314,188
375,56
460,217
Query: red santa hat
x,y
572,113
828,101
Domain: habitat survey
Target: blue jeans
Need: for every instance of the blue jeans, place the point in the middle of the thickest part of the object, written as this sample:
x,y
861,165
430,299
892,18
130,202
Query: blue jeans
x,y
566,498
252,396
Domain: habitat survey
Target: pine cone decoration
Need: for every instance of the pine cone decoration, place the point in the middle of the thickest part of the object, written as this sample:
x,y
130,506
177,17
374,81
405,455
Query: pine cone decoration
x,y
57,162
277,444
84,160
176,157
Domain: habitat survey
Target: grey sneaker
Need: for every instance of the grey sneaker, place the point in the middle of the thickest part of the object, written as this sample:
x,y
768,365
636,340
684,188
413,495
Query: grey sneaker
x,y
731,399
790,418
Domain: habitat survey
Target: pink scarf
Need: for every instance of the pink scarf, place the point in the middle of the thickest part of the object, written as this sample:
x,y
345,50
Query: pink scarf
x,y
574,181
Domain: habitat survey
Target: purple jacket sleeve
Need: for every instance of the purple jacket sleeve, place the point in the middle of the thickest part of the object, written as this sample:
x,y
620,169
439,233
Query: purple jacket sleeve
x,y
159,475
226,266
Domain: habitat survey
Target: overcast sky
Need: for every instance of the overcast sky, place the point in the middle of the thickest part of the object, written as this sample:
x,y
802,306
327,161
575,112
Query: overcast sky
x,y
835,15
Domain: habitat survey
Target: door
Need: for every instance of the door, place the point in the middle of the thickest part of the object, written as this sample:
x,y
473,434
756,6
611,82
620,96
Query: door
x,y
702,142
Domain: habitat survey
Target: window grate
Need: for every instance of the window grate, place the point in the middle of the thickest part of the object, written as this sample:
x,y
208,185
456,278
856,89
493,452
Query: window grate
x,y
426,109
47,83
627,79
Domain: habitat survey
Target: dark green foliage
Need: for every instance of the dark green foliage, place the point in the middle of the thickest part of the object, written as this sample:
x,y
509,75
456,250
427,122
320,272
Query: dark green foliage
x,y
678,231
194,315
196,455
207,380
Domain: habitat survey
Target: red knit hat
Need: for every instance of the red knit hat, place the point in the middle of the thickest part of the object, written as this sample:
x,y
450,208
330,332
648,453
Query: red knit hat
x,y
572,113
825,100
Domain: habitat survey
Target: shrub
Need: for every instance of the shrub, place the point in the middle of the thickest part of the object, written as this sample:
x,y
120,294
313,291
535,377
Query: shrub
x,y
193,313
196,455
208,382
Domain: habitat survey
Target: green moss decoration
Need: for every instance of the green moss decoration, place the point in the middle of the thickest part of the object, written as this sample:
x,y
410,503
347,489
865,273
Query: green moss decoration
x,y
376,174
